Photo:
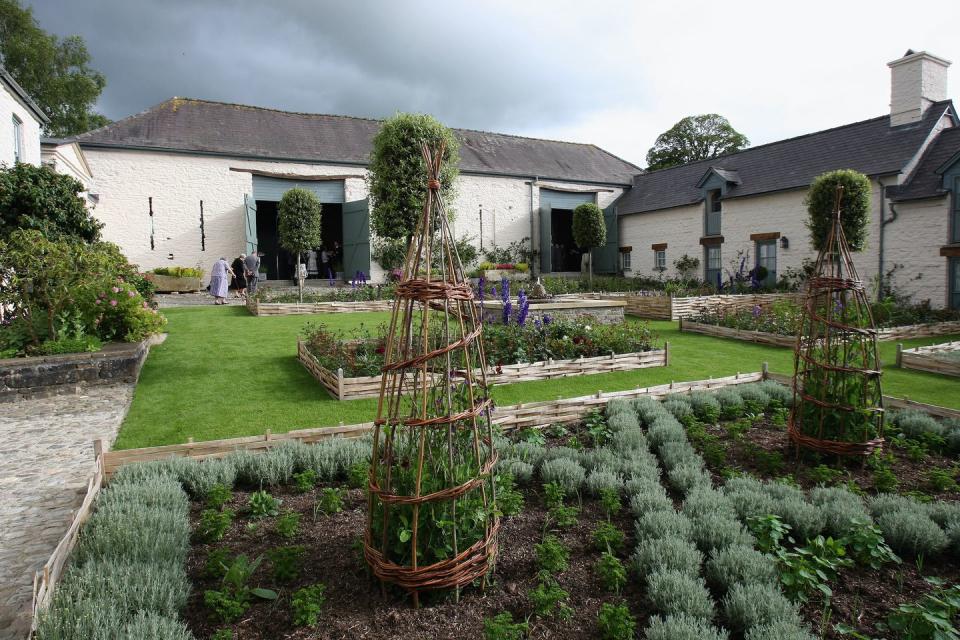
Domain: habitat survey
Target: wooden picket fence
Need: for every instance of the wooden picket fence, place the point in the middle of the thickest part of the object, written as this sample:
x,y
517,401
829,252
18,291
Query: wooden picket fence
x,y
930,358
761,337
258,308
341,387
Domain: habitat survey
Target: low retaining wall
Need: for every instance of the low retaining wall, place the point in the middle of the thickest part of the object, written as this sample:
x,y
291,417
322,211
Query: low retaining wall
x,y
602,311
173,284
343,388
308,308
670,308
43,376
892,333
927,358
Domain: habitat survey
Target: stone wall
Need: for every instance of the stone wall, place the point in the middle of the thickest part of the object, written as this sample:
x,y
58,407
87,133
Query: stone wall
x,y
23,378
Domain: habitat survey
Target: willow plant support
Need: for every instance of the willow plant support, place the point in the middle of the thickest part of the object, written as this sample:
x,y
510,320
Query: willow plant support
x,y
838,403
432,521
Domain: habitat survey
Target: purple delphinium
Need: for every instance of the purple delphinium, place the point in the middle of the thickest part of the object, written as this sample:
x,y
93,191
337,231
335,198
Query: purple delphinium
x,y
524,308
505,299
481,283
547,319
756,311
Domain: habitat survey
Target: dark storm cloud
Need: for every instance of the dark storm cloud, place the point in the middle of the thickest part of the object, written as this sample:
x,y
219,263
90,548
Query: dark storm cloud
x,y
477,65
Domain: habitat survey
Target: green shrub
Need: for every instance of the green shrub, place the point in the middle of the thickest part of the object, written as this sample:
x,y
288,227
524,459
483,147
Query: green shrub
x,y
917,424
607,537
218,495
622,417
706,501
779,631
866,545
854,207
611,572
615,622
148,534
233,598
552,555
705,406
288,524
681,627
749,504
679,407
674,454
132,586
306,605
805,519
521,471
610,502
589,228
649,497
884,504
263,505
161,491
736,564
663,524
747,606
629,440
305,481
549,600
286,562
839,507
778,395
566,473
502,627
82,344
912,533
156,627
602,479
330,501
676,593
689,476
89,618
711,531
665,430
667,554
930,617
731,404
755,399
214,524
216,564
566,453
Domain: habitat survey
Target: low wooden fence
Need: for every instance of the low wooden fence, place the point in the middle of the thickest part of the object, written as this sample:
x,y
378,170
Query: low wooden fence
x,y
258,308
761,337
931,358
671,308
344,388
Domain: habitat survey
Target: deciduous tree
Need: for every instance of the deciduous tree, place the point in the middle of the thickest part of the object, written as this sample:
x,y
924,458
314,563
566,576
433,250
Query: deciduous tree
x,y
299,224
854,207
695,138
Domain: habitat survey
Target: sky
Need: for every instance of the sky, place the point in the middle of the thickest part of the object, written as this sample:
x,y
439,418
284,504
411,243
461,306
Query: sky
x,y
615,74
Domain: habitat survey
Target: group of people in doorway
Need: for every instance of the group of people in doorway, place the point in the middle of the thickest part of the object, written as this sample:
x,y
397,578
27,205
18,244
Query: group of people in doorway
x,y
242,276
320,263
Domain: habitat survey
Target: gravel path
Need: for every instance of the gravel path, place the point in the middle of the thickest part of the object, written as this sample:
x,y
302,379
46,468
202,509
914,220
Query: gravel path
x,y
46,449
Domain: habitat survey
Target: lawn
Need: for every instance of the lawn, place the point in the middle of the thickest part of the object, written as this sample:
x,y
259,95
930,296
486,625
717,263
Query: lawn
x,y
223,373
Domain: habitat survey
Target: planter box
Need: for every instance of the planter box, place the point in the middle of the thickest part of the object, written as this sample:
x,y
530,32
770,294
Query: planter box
x,y
929,358
44,376
172,284
670,308
343,388
309,308
601,311
760,337
493,276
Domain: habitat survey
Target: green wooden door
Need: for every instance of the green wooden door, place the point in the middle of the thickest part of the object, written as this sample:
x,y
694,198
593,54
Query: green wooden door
x,y
605,257
356,239
250,222
546,238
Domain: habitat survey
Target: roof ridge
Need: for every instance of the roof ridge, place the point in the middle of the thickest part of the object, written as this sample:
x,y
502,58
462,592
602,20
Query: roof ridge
x,y
785,140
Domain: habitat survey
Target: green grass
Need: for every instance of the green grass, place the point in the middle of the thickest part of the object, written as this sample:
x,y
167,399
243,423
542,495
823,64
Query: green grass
x,y
223,373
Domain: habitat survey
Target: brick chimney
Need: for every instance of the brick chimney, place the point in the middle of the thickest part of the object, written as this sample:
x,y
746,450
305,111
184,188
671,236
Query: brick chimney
x,y
917,80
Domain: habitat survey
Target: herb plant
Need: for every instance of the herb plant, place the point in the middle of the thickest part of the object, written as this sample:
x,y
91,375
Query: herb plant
x,y
262,504
307,603
502,627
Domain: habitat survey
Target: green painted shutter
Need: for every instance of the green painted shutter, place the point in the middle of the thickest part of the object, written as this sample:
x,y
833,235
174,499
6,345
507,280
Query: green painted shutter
x,y
546,238
250,222
356,238
605,257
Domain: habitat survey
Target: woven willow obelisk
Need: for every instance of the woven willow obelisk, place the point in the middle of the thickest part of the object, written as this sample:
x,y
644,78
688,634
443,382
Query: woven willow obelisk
x,y
431,518
838,404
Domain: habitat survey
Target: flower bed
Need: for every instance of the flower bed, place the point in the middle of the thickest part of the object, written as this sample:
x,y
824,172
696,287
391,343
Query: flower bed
x,y
515,353
175,279
941,358
282,302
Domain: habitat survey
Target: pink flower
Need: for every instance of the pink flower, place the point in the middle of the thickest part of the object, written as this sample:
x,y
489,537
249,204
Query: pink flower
x,y
116,289
98,301
113,303
131,294
145,305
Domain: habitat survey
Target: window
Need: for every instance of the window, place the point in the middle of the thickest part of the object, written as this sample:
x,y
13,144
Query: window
x,y
17,139
660,260
711,225
625,260
953,266
955,222
711,271
767,258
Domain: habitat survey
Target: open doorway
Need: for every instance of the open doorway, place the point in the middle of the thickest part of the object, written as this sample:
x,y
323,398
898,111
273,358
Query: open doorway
x,y
279,263
565,255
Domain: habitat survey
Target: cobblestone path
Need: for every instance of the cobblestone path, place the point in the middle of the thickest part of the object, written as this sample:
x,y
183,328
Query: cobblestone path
x,y
46,457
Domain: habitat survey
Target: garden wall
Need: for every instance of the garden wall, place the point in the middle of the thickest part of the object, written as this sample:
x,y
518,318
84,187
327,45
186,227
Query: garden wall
x,y
671,308
43,376
927,358
602,311
343,388
308,308
892,333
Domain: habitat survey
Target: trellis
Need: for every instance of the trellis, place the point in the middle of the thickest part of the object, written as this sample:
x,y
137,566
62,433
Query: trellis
x,y
432,521
838,403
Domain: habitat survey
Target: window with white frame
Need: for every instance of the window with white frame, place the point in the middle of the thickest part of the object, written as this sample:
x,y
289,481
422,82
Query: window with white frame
x,y
660,260
625,260
17,139
711,262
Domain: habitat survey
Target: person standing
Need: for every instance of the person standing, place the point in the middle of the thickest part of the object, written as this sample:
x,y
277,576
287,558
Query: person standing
x,y
325,261
219,282
239,282
251,270
312,263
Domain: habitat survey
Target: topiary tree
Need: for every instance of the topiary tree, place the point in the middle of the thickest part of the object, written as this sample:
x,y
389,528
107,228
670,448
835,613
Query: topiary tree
x,y
397,170
854,207
39,198
589,230
299,224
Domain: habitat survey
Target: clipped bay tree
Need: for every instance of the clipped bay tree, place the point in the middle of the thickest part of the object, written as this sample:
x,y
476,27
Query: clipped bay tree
x,y
589,231
299,225
854,207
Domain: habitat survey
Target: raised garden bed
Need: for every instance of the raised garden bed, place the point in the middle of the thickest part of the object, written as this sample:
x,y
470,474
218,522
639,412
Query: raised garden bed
x,y
941,358
599,311
657,306
682,510
258,308
285,301
762,337
174,284
341,387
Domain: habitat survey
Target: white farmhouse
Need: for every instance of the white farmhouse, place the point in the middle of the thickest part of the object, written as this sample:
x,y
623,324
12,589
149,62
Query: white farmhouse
x,y
20,123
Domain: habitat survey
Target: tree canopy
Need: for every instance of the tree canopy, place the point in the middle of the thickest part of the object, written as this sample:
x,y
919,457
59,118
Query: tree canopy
x,y
589,230
854,207
299,223
398,173
695,138
39,198
55,72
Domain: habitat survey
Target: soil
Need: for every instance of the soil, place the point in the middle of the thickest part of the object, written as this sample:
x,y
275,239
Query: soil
x,y
355,607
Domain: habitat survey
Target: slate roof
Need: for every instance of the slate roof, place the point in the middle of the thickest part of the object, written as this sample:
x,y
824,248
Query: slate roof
x,y
872,147
926,182
185,124
18,91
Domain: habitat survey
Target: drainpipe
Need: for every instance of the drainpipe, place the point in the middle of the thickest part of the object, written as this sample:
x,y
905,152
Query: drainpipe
x,y
883,224
534,216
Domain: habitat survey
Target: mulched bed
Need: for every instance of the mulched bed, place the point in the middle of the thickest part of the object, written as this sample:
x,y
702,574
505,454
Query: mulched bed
x,y
355,607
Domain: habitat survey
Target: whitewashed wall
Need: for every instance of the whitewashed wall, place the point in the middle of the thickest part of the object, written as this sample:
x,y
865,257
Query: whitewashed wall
x,y
68,160
914,240
10,106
